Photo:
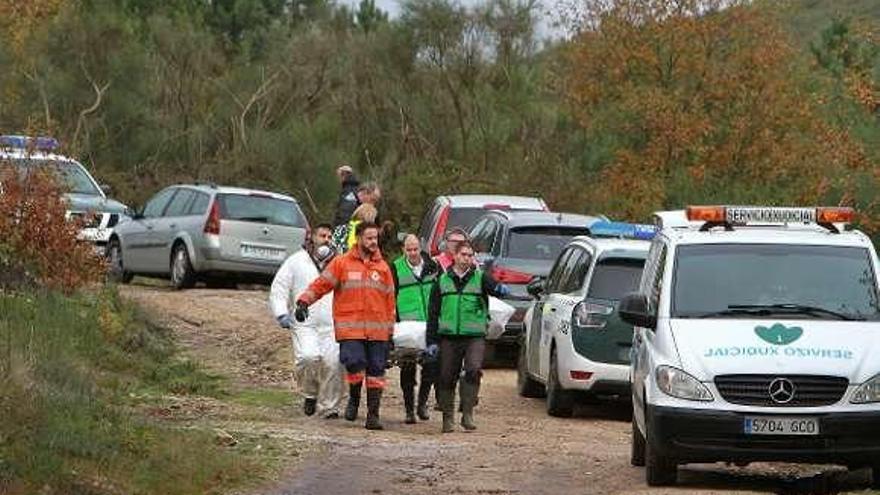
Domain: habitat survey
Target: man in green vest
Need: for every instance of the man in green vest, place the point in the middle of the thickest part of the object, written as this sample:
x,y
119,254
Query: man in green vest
x,y
414,276
458,316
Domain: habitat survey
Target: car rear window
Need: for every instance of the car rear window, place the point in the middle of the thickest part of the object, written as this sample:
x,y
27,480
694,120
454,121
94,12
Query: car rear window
x,y
614,277
260,209
540,243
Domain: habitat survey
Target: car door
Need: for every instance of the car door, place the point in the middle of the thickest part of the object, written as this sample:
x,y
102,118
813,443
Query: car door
x,y
139,237
643,338
168,225
557,311
536,326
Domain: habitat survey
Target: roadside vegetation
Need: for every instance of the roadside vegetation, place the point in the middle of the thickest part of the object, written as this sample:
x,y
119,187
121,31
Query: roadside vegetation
x,y
644,105
80,370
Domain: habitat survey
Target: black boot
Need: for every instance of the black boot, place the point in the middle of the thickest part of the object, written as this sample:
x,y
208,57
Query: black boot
x,y
309,406
409,405
422,409
374,398
354,402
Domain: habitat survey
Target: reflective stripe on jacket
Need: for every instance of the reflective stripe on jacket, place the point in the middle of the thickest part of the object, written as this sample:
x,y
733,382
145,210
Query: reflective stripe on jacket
x,y
413,293
463,312
363,296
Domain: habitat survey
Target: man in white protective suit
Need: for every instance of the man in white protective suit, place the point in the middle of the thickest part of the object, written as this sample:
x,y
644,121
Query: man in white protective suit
x,y
317,369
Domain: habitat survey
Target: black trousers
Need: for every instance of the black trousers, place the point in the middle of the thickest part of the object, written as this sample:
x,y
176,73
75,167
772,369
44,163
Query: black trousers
x,y
457,353
430,369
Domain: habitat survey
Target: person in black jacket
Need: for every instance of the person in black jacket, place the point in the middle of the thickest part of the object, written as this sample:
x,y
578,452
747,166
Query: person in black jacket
x,y
458,317
348,197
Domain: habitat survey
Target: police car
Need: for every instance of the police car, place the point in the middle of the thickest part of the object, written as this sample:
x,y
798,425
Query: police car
x,y
757,332
574,342
86,199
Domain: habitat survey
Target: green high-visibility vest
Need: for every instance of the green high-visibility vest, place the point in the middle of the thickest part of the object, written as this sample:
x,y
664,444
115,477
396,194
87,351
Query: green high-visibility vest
x,y
412,294
463,313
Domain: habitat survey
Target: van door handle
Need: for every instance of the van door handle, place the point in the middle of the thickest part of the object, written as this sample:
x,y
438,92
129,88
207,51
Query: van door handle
x,y
173,226
552,309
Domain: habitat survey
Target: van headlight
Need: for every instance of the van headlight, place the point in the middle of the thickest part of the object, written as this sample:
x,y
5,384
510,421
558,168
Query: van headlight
x,y
867,392
677,383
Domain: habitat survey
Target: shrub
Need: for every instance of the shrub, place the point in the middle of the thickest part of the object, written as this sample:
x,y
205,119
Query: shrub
x,y
36,237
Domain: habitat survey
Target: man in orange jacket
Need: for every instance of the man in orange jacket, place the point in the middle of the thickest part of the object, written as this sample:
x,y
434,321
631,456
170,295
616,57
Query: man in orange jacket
x,y
363,316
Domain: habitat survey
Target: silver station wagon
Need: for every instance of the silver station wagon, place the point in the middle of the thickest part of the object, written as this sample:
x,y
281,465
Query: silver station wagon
x,y
205,233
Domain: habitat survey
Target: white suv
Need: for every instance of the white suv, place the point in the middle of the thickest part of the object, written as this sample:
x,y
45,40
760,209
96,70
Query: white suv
x,y
756,336
575,343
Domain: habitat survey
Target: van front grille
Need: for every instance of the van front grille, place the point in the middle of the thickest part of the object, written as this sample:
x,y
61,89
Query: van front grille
x,y
781,390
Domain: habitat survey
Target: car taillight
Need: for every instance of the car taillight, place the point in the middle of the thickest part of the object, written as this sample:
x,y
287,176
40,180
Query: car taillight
x,y
581,375
508,276
590,315
212,224
439,231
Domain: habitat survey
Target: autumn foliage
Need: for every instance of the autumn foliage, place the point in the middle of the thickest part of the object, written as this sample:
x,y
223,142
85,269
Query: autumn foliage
x,y
36,238
706,102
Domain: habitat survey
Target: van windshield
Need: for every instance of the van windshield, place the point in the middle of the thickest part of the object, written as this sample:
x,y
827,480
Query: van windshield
x,y
779,280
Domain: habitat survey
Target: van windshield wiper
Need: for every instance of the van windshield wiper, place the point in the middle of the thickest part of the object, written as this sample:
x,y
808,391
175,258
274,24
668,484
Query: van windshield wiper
x,y
735,310
790,308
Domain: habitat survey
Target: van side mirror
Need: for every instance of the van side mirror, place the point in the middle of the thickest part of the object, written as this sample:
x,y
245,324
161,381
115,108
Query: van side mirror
x,y
535,287
107,189
633,309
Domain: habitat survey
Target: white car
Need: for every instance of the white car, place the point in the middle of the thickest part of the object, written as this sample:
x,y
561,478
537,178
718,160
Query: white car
x,y
574,342
86,199
756,339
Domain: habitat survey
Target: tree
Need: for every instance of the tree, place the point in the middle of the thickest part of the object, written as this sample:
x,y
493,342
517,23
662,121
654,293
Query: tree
x,y
702,101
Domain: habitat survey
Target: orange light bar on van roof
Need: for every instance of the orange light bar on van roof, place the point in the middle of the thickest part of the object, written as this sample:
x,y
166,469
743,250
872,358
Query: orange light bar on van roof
x,y
715,214
835,214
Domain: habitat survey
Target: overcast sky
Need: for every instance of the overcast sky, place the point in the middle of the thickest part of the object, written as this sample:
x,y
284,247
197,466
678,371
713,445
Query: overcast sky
x,y
546,12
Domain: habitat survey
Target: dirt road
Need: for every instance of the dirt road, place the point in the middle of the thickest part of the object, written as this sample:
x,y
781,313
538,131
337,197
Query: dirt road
x,y
517,448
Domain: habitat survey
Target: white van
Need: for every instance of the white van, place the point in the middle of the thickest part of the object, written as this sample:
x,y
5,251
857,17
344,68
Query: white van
x,y
757,336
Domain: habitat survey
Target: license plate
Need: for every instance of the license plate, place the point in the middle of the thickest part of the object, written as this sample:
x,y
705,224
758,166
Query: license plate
x,y
772,425
261,253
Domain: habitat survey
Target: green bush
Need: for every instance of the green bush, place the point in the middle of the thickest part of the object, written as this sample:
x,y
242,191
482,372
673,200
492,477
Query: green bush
x,y
67,367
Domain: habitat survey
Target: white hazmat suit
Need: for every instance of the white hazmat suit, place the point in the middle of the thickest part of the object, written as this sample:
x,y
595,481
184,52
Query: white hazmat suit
x,y
317,369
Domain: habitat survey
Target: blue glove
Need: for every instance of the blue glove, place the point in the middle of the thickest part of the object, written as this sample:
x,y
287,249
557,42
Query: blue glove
x,y
431,351
502,290
284,321
302,312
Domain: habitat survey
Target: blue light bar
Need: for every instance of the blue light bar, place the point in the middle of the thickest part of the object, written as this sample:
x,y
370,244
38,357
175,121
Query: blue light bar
x,y
623,230
42,143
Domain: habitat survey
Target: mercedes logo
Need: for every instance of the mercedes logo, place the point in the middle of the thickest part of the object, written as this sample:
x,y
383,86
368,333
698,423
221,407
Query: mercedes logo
x,y
781,390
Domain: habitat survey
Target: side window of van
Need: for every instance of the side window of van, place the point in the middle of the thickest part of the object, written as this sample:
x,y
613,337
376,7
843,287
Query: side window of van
x,y
657,280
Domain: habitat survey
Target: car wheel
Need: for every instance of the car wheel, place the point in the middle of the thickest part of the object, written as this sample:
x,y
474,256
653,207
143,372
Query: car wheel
x,y
560,402
637,446
117,271
525,384
660,470
182,274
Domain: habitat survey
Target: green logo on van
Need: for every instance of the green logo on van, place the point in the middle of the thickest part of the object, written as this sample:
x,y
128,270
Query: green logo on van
x,y
779,334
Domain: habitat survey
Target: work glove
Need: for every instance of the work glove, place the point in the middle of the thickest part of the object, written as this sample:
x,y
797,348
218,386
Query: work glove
x,y
284,321
502,290
302,311
432,351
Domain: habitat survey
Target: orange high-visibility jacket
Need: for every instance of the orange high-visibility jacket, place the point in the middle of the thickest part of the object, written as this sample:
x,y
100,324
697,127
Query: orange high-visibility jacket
x,y
363,297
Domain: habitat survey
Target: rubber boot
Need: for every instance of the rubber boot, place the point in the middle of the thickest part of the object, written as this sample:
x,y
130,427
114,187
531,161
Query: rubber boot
x,y
354,402
446,405
422,409
409,405
468,392
309,406
374,399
